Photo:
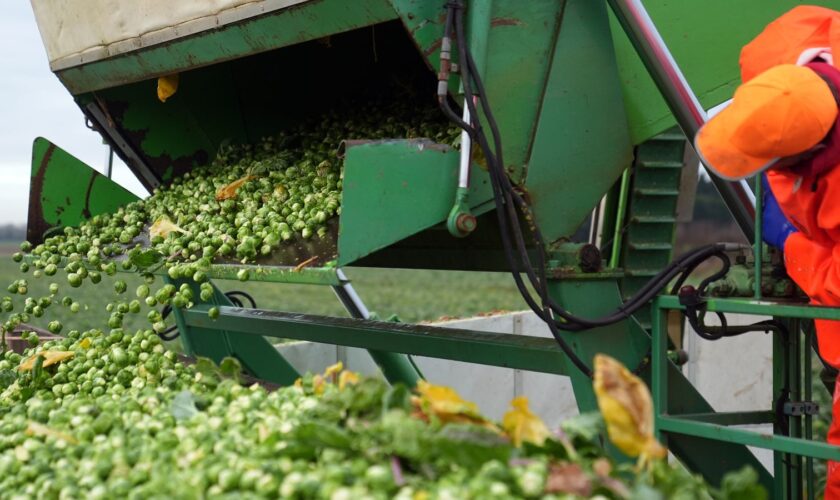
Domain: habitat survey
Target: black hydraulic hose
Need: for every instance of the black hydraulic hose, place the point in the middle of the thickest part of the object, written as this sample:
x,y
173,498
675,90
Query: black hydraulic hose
x,y
235,297
512,198
509,203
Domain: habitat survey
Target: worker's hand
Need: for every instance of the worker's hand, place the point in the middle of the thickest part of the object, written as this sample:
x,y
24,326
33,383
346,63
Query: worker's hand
x,y
775,226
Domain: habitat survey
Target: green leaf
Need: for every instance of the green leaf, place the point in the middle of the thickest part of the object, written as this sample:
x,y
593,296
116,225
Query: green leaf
x,y
360,399
644,492
400,434
397,396
7,378
211,375
742,485
143,259
587,426
230,367
183,406
470,445
324,435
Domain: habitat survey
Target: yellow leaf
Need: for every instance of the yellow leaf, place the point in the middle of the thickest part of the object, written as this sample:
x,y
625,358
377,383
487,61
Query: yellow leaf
x,y
521,425
85,343
347,378
40,430
50,358
318,384
627,408
229,191
333,370
446,405
281,192
163,226
167,86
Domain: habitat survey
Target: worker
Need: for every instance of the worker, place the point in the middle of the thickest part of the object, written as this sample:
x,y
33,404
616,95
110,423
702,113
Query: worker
x,y
782,124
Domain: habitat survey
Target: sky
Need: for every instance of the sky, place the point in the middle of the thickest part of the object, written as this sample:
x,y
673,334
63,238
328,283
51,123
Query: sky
x,y
36,104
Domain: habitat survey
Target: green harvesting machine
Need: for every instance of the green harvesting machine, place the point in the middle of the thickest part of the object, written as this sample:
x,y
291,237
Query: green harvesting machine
x,y
577,102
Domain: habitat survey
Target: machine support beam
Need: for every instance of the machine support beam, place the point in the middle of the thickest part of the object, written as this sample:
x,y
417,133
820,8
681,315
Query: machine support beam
x,y
506,350
682,101
105,124
395,367
257,355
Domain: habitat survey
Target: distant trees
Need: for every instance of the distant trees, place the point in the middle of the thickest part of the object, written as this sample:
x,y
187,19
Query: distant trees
x,y
12,232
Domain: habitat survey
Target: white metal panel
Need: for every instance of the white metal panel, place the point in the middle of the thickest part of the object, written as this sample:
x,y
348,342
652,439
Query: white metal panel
x,y
75,32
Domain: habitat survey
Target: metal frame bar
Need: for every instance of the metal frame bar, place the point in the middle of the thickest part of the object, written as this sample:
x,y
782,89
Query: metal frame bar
x,y
791,445
105,125
716,427
395,367
536,354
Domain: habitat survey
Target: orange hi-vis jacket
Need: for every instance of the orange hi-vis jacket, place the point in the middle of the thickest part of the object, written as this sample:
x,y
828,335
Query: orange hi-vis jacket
x,y
809,196
812,256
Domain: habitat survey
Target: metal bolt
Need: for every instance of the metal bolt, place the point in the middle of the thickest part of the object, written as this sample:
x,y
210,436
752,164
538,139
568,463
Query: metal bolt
x,y
589,258
466,223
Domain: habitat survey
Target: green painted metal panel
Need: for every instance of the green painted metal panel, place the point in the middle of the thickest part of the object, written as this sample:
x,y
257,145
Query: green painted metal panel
x,y
185,131
300,23
705,38
581,144
511,351
394,189
64,191
519,46
258,356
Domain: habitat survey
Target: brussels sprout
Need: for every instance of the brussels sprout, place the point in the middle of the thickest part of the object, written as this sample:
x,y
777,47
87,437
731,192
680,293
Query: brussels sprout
x,y
75,280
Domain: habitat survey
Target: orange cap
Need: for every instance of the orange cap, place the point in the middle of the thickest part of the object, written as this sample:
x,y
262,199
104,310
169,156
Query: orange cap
x,y
782,112
785,39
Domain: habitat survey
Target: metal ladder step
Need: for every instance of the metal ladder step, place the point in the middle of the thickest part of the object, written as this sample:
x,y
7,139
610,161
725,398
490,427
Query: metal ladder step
x,y
653,219
660,164
656,192
651,246
671,136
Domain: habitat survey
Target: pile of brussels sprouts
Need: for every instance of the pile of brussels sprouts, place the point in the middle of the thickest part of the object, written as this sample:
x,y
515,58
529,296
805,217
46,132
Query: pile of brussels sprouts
x,y
113,415
250,199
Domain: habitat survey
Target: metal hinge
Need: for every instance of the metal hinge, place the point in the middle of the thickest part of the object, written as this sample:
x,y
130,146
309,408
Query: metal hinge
x,y
799,408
